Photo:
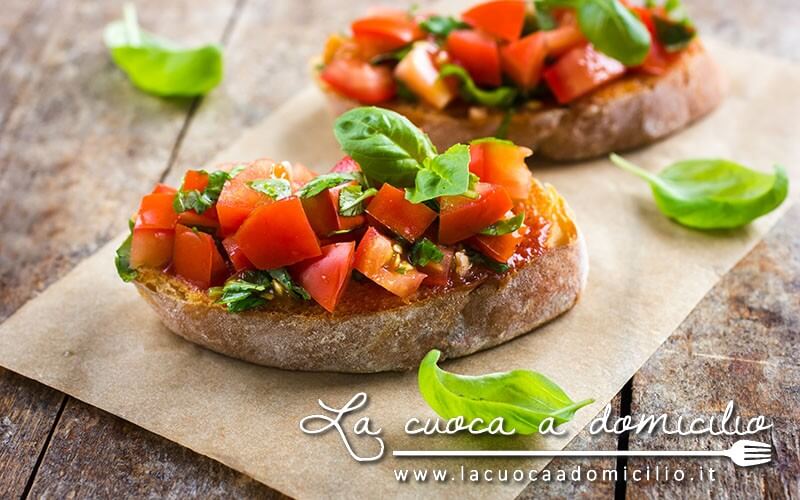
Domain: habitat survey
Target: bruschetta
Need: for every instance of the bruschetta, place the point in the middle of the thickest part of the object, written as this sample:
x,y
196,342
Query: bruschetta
x,y
570,79
397,250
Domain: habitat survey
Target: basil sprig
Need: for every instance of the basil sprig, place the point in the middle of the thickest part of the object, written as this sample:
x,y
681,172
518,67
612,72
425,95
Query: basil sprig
x,y
351,199
611,27
200,201
275,188
253,289
441,26
122,258
424,252
159,66
325,181
501,97
505,226
523,398
390,149
713,193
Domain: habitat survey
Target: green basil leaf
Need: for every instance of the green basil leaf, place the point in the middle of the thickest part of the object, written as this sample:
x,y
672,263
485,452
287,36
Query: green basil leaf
x,y
122,258
255,288
673,35
277,189
351,200
393,56
158,66
283,278
201,201
492,265
387,146
505,226
713,193
614,30
325,181
523,398
441,26
444,175
500,97
424,252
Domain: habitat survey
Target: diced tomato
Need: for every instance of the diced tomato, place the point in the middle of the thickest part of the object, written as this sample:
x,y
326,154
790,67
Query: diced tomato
x,y
461,217
237,199
346,164
386,33
194,180
560,40
501,18
322,211
278,235
499,248
235,254
479,55
439,272
421,76
391,208
151,248
195,257
325,277
375,259
657,60
580,71
301,174
523,60
503,163
156,212
360,80
163,188
207,219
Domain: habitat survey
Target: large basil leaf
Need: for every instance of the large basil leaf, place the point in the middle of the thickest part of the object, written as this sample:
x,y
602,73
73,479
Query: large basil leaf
x,y
159,66
713,193
444,175
522,397
387,146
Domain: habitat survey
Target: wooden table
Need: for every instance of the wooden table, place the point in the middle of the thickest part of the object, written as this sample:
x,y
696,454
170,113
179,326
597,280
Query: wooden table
x,y
78,145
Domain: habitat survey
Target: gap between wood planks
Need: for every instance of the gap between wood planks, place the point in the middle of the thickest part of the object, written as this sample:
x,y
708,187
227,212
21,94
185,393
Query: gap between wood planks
x,y
226,34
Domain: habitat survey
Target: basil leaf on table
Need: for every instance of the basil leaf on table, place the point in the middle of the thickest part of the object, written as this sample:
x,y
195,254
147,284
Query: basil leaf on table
x,y
424,252
277,189
387,146
159,66
122,258
505,226
713,193
500,97
444,175
522,398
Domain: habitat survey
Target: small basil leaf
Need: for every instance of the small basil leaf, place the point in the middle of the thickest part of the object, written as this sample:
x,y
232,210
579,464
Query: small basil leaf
x,y
122,258
673,35
158,66
387,146
393,56
522,398
351,200
614,30
713,193
500,97
441,26
484,261
255,288
444,175
325,181
424,252
284,280
201,201
277,189
505,226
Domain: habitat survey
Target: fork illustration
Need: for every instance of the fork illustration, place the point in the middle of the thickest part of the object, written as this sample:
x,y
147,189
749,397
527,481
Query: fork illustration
x,y
744,453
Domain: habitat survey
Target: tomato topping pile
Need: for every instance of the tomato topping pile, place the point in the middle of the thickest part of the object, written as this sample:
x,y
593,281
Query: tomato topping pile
x,y
249,234
501,45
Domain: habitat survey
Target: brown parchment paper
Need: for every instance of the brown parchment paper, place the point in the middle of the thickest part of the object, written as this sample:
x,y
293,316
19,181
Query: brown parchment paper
x,y
92,337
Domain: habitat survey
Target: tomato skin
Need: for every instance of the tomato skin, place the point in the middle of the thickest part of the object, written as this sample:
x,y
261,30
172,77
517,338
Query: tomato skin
x,y
207,219
237,200
523,59
374,256
501,18
325,278
406,219
580,71
163,188
151,248
421,76
567,36
478,53
502,163
360,81
499,248
386,33
322,211
461,217
439,272
278,235
196,259
346,164
657,60
301,175
194,180
235,254
156,212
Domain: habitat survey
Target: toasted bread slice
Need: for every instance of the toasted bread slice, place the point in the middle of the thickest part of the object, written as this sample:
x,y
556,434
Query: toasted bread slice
x,y
625,114
374,332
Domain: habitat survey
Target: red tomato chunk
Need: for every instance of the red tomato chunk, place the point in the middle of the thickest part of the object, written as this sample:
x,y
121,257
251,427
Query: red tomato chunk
x,y
323,212
377,260
461,217
196,258
406,219
325,277
151,248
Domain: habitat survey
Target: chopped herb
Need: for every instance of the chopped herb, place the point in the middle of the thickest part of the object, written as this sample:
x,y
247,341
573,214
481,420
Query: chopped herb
x,y
441,26
122,259
201,201
325,181
501,97
351,200
395,55
255,288
425,251
505,226
277,189
673,35
490,264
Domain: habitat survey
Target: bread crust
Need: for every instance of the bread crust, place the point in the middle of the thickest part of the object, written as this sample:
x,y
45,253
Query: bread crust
x,y
628,113
459,322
